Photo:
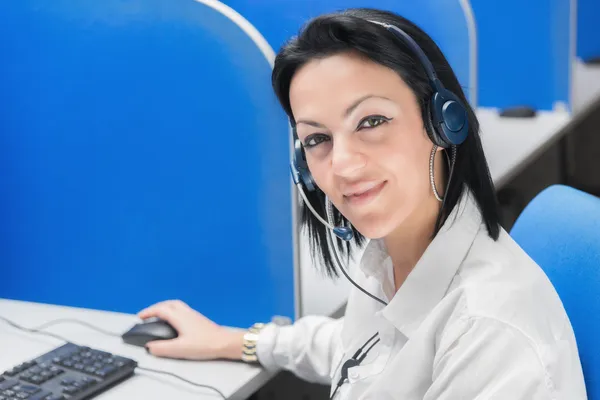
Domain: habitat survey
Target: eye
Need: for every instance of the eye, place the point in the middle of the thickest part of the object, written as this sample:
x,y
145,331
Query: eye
x,y
314,140
372,121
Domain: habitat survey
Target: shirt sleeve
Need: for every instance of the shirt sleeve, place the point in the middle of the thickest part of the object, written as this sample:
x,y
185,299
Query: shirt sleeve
x,y
488,359
304,348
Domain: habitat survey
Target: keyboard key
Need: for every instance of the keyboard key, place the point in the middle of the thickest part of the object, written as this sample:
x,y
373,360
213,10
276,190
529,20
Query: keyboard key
x,y
9,393
54,397
36,379
106,371
40,395
8,384
22,395
90,370
67,381
26,388
89,381
70,390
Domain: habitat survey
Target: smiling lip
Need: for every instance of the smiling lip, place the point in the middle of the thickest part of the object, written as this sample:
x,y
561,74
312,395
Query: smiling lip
x,y
364,196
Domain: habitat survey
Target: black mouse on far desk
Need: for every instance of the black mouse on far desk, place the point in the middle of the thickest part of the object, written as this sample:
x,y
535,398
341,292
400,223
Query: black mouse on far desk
x,y
148,330
519,112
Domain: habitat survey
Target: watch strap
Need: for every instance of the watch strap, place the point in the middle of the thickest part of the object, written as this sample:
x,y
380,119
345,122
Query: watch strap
x,y
250,342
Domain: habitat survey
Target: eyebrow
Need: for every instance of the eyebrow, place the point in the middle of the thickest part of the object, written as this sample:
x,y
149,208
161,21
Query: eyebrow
x,y
347,112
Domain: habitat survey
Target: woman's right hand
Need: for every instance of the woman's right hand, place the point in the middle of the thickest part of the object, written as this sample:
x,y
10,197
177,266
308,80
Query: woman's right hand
x,y
199,338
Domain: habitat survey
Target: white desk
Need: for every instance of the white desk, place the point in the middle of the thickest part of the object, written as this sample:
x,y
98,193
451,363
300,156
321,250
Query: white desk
x,y
235,380
510,144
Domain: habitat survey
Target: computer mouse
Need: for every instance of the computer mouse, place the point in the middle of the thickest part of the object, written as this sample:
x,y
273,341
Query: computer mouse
x,y
148,330
519,112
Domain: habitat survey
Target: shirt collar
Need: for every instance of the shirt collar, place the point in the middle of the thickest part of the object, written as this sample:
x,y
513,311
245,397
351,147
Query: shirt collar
x,y
428,282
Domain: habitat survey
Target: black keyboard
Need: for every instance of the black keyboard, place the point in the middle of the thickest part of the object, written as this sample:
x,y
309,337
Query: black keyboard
x,y
69,372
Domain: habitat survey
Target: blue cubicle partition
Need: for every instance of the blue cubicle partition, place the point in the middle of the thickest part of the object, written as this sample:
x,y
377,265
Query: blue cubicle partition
x,y
524,53
144,158
446,21
588,33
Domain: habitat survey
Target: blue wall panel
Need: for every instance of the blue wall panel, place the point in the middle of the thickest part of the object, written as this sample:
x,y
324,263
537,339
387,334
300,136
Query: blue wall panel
x,y
443,20
588,31
144,158
524,53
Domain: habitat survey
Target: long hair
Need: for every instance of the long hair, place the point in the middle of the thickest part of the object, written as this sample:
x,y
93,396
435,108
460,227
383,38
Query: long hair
x,y
351,31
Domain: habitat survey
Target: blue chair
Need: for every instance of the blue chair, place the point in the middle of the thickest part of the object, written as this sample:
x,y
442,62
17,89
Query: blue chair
x,y
560,230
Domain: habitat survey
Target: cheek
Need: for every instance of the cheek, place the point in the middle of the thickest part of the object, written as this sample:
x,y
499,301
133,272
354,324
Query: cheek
x,y
321,173
408,167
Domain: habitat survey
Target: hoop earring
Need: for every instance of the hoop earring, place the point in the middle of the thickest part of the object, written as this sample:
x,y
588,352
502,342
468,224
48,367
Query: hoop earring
x,y
431,169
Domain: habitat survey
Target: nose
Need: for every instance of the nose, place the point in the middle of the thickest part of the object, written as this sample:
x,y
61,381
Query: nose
x,y
346,160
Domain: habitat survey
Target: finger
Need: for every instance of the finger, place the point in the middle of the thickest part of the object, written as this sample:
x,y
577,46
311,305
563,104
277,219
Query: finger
x,y
162,311
164,348
149,310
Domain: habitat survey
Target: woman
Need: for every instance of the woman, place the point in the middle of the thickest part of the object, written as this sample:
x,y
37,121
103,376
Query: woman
x,y
455,309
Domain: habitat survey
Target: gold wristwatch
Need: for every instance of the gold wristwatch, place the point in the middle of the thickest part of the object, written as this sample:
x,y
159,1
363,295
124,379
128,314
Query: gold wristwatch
x,y
250,340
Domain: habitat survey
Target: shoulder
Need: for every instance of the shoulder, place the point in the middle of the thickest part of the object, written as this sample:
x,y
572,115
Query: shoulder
x,y
509,306
498,280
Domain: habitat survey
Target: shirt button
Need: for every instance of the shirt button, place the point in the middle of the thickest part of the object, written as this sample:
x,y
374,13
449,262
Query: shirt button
x,y
354,375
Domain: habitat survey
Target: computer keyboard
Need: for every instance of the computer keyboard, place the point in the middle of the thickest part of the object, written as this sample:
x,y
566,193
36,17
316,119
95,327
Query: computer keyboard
x,y
69,372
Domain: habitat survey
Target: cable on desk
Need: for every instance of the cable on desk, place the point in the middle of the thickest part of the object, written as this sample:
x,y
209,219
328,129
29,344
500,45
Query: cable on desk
x,y
34,330
76,321
183,379
55,336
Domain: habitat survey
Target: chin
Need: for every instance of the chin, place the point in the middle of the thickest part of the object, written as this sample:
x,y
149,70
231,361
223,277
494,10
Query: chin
x,y
374,228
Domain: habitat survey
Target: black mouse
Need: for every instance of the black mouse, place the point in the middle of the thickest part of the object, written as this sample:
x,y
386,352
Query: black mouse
x,y
148,330
519,112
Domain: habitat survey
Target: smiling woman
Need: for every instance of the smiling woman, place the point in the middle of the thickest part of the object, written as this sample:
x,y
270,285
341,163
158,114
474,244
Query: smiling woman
x,y
370,94
386,142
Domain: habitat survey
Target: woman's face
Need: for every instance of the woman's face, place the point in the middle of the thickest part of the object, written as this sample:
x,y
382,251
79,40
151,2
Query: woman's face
x,y
365,144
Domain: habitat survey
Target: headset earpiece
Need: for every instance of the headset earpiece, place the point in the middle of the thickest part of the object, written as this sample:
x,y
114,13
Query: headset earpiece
x,y
448,118
300,167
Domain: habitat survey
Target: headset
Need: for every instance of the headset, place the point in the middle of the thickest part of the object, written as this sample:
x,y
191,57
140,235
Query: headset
x,y
446,117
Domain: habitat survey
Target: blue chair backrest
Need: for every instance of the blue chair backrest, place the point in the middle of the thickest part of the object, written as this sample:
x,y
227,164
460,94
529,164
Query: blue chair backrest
x,y
560,230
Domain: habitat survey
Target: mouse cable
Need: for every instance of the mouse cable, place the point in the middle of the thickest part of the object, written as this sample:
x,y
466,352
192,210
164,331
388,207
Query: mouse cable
x,y
76,321
183,379
61,338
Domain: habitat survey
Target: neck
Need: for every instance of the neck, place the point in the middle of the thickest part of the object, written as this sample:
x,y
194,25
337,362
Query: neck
x,y
407,244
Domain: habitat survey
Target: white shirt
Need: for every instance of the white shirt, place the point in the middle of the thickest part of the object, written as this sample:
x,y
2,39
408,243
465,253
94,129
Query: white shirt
x,y
475,319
